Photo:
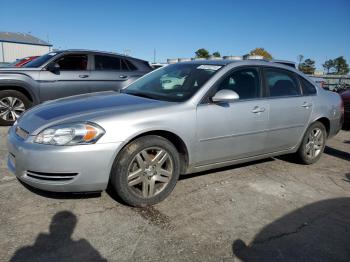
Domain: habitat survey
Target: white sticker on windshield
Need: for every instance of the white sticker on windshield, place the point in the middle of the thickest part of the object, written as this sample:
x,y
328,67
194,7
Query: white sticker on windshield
x,y
209,67
52,54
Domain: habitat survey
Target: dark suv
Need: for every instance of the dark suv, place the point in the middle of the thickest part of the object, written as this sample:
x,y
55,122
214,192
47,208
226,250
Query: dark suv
x,y
64,73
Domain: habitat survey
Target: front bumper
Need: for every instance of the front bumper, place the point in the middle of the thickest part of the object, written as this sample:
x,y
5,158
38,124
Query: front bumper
x,y
80,168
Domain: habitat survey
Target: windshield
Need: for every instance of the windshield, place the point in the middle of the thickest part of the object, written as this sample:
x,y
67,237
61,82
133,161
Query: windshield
x,y
174,83
14,63
40,60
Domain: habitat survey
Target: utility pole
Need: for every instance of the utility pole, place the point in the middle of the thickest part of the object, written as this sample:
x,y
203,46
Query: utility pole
x,y
154,55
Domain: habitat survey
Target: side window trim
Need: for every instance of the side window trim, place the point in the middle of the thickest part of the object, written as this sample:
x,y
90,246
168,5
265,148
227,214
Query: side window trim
x,y
290,73
206,97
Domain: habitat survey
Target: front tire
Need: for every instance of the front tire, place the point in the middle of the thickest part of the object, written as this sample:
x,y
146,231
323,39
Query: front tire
x,y
12,105
146,171
313,144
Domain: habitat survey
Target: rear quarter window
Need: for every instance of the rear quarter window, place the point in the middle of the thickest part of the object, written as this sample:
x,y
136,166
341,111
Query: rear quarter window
x,y
307,87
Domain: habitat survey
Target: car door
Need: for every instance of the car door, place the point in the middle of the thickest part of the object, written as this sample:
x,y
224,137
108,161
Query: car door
x,y
112,73
71,78
233,130
289,109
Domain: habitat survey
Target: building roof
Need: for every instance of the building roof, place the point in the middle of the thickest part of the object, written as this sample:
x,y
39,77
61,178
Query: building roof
x,y
21,38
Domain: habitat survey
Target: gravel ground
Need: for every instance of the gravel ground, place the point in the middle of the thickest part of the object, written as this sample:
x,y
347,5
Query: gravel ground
x,y
270,210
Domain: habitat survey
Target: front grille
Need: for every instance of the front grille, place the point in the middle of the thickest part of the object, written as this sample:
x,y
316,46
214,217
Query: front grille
x,y
21,132
51,176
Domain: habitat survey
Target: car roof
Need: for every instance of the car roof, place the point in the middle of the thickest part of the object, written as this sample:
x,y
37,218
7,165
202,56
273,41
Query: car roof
x,y
224,62
94,52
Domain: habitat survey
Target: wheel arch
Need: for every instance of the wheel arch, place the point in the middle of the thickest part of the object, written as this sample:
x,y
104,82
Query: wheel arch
x,y
325,121
175,139
20,89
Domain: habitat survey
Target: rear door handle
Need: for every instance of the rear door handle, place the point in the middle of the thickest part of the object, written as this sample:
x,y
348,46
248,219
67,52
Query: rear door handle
x,y
83,76
258,109
123,76
306,105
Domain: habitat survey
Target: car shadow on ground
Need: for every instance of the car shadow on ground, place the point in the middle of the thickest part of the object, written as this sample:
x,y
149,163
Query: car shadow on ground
x,y
316,232
58,245
60,195
337,153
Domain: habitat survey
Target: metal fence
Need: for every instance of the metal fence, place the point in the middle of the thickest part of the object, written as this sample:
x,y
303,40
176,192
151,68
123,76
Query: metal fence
x,y
335,82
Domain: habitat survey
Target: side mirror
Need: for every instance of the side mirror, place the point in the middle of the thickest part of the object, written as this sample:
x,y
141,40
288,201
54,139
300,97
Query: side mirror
x,y
225,96
54,68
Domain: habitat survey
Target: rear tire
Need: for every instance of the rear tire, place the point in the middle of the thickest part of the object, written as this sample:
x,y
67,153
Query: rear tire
x,y
146,171
12,104
313,144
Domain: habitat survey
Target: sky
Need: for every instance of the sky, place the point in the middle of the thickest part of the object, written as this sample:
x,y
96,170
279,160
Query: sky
x,y
317,29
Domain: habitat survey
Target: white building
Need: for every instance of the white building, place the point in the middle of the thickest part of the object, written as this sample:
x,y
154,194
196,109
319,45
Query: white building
x,y
18,45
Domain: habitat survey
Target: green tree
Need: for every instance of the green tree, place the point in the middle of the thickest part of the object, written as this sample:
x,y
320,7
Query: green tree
x,y
216,54
202,53
307,67
328,65
341,66
262,52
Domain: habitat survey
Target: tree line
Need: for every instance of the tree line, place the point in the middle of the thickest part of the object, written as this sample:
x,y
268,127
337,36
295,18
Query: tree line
x,y
336,66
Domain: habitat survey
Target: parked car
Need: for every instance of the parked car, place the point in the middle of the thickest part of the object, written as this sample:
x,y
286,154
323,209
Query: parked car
x,y
64,73
23,61
346,101
157,65
142,139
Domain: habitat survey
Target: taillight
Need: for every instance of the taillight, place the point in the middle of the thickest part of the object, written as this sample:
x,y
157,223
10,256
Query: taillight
x,y
342,110
342,107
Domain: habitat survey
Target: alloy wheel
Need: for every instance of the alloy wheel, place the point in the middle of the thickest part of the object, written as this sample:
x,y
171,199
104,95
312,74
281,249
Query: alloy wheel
x,y
314,144
150,172
11,108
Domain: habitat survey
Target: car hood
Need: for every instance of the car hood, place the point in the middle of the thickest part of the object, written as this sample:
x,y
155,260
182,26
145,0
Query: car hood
x,y
83,108
18,69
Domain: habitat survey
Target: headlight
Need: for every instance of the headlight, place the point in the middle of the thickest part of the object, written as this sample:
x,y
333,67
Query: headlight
x,y
70,134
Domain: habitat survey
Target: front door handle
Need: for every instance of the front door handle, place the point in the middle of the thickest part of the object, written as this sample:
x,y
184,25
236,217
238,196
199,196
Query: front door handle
x,y
83,76
306,105
123,76
258,109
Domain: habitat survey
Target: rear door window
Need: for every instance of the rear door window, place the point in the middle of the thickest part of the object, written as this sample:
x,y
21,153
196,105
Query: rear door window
x,y
108,63
124,66
130,65
281,83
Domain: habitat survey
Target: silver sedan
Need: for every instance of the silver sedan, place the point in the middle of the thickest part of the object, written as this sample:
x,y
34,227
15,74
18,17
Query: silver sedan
x,y
142,139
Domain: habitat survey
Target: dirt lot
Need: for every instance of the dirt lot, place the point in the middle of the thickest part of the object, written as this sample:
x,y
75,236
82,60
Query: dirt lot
x,y
271,210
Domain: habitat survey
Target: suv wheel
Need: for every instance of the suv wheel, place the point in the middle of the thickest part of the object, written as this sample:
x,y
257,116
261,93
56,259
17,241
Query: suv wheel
x,y
313,144
146,171
12,105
